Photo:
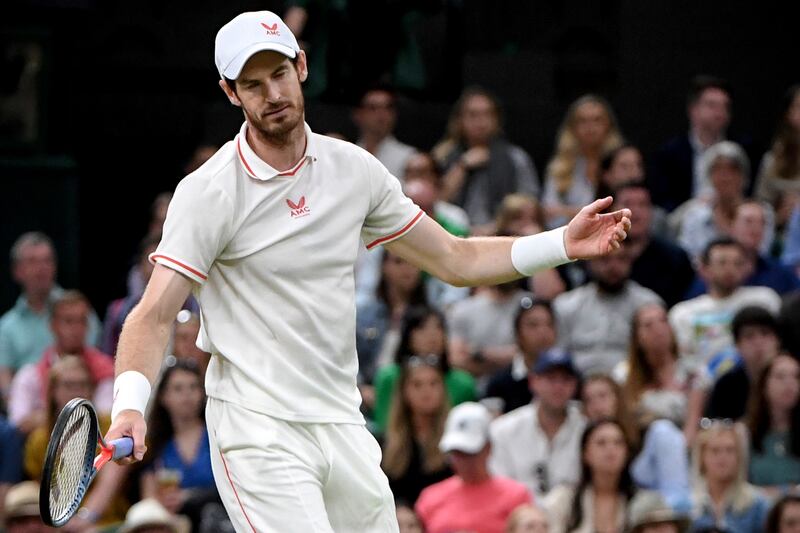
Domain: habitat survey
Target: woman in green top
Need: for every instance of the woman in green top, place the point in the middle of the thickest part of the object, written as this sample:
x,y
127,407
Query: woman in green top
x,y
775,426
422,333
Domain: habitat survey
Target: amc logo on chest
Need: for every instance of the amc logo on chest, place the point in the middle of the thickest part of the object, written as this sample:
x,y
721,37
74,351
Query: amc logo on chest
x,y
299,209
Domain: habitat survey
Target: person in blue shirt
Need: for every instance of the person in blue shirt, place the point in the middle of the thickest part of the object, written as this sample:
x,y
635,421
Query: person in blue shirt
x,y
178,469
25,328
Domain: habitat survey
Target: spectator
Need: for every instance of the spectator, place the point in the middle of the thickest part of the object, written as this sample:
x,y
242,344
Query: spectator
x,y
118,309
619,166
702,324
149,516
422,167
158,214
422,333
527,519
69,378
537,444
375,118
790,256
652,255
701,220
473,499
520,215
10,459
184,344
649,513
755,332
774,421
69,321
407,519
778,179
22,509
378,320
25,328
601,498
721,497
748,230
660,384
589,131
481,167
676,174
177,472
482,330
594,320
602,399
535,332
201,154
411,456
784,517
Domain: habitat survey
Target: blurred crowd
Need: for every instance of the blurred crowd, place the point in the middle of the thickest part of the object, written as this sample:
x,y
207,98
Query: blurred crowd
x,y
656,389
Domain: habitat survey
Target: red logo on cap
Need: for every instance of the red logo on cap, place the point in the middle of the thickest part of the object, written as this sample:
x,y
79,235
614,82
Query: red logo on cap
x,y
298,209
272,30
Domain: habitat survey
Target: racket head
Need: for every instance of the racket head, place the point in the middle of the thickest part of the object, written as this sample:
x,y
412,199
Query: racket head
x,y
69,462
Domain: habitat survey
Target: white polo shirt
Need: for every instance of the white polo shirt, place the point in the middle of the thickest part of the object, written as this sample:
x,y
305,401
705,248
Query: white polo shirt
x,y
272,254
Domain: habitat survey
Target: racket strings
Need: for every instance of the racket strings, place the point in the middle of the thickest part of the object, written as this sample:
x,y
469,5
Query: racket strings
x,y
69,466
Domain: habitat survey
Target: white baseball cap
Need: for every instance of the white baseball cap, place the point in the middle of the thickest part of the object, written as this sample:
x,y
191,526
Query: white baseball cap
x,y
248,34
466,429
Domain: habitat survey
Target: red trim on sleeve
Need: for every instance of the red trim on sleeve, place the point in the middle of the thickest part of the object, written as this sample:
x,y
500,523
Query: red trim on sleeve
x,y
396,233
235,492
187,267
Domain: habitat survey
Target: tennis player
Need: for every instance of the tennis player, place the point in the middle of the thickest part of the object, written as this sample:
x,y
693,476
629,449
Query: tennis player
x,y
266,234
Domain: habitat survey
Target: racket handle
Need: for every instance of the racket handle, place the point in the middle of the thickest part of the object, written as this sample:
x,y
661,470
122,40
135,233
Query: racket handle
x,y
123,447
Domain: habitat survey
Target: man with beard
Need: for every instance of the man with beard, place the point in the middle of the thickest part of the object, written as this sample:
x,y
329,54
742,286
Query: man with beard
x,y
266,233
594,320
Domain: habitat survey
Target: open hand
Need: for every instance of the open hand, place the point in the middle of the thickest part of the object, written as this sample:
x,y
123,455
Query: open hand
x,y
592,233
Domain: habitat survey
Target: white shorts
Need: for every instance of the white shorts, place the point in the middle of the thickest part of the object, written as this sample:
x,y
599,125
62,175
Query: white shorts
x,y
279,476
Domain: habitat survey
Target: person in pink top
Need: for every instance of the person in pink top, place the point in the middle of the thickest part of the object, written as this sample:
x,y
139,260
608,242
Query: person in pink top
x,y
69,321
472,500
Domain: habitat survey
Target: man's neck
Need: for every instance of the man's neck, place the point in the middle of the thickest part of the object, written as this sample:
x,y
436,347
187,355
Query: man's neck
x,y
280,154
551,420
37,300
706,137
720,294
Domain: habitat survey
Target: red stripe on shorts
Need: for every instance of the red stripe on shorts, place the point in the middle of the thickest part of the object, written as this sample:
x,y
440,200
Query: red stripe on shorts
x,y
235,493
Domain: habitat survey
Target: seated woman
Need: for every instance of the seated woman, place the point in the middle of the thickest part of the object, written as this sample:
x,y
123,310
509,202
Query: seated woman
x,y
69,377
721,496
602,399
599,503
411,456
774,422
177,468
423,332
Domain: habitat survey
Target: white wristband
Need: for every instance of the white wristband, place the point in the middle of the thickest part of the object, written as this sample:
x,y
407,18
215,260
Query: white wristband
x,y
131,391
539,252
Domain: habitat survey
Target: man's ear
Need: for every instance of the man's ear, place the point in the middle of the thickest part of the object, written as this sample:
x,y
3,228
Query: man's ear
x,y
302,66
229,93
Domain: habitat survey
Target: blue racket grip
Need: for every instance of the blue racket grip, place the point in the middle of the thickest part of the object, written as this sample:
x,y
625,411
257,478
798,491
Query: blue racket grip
x,y
123,447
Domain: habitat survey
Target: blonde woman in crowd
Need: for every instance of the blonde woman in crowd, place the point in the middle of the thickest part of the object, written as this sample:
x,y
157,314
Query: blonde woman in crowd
x,y
721,496
412,459
599,503
588,133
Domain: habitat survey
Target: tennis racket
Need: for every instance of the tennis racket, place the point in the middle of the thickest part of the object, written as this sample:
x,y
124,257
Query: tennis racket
x,y
70,464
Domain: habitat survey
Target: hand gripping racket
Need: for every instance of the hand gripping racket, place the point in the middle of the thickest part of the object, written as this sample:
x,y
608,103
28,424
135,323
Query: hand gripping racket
x,y
70,464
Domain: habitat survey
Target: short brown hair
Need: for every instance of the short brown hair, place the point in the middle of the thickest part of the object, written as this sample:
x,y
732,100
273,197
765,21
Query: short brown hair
x,y
68,297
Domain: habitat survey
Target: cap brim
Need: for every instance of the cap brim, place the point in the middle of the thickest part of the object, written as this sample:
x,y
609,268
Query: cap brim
x,y
235,67
461,443
23,511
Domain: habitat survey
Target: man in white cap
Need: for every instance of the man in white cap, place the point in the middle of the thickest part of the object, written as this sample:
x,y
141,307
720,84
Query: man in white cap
x,y
473,499
22,509
266,233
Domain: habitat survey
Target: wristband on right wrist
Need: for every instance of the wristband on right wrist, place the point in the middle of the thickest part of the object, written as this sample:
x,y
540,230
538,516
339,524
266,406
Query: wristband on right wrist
x,y
131,391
